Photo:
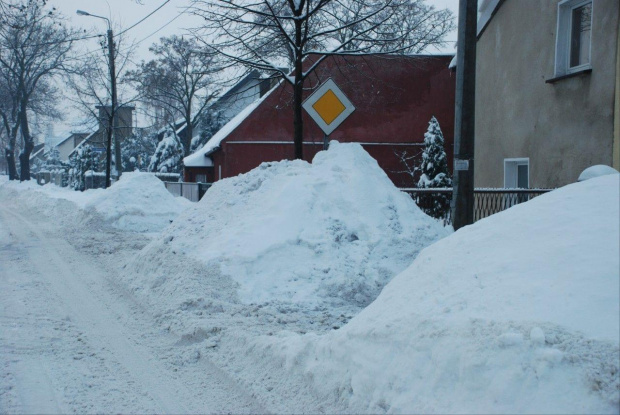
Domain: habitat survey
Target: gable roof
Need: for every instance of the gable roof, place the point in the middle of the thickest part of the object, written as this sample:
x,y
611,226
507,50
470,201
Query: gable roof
x,y
72,135
36,150
487,10
88,137
237,88
200,157
371,84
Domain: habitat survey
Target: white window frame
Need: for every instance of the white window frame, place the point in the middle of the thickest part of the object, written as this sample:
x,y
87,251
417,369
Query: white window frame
x,y
511,177
563,38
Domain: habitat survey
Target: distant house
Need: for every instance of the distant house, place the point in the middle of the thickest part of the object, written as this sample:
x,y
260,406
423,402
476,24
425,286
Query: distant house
x,y
548,91
247,90
395,97
98,140
66,146
38,153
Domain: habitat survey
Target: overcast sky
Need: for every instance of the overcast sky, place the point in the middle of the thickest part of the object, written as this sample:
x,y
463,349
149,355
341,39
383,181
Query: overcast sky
x,y
172,18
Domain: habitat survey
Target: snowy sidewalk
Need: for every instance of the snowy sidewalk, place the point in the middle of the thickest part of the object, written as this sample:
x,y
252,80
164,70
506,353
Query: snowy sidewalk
x,y
69,344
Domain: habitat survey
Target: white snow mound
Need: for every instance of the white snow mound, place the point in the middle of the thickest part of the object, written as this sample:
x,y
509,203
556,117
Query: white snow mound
x,y
596,171
137,202
518,313
336,229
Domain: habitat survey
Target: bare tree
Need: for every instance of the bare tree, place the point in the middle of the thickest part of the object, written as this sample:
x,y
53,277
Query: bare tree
x,y
34,47
91,86
266,34
180,81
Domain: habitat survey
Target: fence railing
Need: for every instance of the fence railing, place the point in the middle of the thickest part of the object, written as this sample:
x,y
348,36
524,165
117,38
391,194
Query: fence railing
x,y
45,177
436,201
191,191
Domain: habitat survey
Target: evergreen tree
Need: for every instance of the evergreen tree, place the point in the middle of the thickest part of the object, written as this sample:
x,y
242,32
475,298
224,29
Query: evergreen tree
x,y
434,169
137,150
84,159
210,123
168,157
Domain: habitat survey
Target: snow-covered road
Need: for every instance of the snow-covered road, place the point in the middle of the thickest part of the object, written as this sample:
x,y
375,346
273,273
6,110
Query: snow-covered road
x,y
72,341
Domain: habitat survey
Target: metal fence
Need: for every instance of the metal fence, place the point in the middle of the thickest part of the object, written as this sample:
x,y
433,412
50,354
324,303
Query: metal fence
x,y
45,177
191,191
486,201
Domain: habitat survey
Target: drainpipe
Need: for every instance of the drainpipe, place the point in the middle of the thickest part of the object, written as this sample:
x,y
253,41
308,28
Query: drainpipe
x,y
616,144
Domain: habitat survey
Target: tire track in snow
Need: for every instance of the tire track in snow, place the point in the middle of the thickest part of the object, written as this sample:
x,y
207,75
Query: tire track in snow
x,y
96,318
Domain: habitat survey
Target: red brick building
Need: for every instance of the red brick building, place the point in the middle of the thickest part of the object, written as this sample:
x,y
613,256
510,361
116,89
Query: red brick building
x,y
395,97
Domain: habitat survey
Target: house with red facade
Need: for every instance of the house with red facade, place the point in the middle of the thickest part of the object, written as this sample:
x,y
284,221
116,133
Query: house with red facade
x,y
394,96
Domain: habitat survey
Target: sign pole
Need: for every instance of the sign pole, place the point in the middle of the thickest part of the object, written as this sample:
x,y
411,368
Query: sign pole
x,y
325,141
464,123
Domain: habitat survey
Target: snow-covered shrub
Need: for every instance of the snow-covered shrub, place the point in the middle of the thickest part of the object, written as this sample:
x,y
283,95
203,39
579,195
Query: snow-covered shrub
x,y
168,157
137,150
82,160
210,123
434,169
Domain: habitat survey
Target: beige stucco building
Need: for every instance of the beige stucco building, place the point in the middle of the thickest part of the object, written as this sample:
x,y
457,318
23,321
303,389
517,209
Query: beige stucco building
x,y
548,87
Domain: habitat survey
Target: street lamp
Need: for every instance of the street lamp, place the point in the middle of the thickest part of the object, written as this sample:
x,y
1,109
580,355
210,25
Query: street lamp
x,y
117,147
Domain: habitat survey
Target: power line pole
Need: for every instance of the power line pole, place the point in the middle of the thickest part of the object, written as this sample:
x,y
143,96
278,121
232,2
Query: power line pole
x,y
112,114
465,117
113,120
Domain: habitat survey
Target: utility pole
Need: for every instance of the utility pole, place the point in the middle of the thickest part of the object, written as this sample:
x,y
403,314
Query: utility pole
x,y
112,114
465,117
117,145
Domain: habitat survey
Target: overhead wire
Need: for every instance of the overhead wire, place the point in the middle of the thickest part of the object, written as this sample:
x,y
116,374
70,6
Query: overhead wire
x,y
144,18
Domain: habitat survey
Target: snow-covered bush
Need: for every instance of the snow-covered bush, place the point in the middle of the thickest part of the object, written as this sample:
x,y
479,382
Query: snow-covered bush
x,y
137,150
82,160
210,123
168,157
434,169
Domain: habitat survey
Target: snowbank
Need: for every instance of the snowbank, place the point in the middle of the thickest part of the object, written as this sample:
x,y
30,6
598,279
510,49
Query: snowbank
x,y
334,231
517,313
596,171
137,202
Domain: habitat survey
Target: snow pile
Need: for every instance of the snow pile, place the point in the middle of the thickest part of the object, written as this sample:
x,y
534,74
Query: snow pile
x,y
517,313
596,171
137,202
331,232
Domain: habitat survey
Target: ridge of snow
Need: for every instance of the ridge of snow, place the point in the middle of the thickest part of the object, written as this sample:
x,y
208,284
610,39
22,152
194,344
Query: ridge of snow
x,y
517,313
335,230
137,202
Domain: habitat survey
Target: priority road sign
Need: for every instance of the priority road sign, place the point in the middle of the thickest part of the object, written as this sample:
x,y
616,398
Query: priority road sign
x,y
328,106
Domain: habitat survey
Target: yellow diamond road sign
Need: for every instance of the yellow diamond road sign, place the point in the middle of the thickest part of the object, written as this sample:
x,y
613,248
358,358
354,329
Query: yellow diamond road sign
x,y
328,106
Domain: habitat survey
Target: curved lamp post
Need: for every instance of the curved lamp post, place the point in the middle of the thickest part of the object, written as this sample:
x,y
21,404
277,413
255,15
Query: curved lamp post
x,y
111,123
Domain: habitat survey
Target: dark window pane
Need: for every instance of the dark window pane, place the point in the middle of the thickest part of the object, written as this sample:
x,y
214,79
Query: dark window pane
x,y
522,176
581,30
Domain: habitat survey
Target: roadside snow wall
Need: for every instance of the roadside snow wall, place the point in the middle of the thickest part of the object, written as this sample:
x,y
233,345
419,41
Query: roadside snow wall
x,y
331,232
518,313
137,202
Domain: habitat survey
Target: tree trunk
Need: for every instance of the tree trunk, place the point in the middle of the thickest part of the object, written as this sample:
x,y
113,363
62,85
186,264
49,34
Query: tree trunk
x,y
24,159
9,153
189,131
298,90
24,156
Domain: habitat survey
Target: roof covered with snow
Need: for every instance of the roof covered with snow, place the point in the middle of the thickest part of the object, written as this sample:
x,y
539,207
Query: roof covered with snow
x,y
200,157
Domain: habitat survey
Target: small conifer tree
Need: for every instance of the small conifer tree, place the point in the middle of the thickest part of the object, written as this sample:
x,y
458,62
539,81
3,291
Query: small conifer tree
x,y
84,159
168,157
434,171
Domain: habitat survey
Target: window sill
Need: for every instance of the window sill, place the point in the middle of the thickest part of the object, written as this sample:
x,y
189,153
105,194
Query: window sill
x,y
569,75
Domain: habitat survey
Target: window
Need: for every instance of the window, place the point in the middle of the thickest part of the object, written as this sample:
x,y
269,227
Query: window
x,y
574,35
517,173
201,178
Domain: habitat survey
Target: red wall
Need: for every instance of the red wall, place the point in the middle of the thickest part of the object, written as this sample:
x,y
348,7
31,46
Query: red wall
x,y
395,97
